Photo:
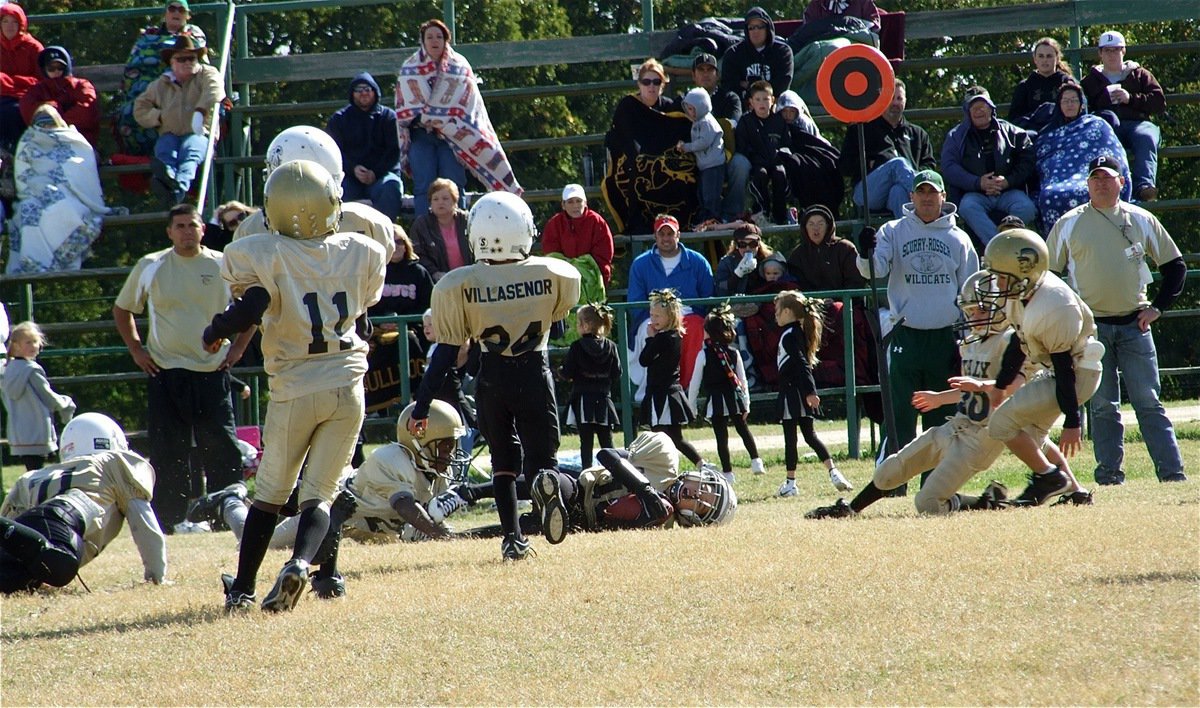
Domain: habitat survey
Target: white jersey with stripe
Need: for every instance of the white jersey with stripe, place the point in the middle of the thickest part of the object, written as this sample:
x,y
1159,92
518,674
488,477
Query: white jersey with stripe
x,y
1055,319
356,218
390,470
981,359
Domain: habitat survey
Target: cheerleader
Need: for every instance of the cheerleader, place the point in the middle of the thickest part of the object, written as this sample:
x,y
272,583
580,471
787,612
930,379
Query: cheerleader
x,y
719,366
665,407
592,365
802,321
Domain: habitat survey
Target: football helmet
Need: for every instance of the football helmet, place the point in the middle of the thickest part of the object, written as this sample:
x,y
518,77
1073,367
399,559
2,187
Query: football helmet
x,y
1020,260
702,498
436,451
301,200
303,142
979,319
500,227
89,433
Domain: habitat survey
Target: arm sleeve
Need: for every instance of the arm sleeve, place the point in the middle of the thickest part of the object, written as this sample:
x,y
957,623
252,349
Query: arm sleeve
x,y
552,234
40,386
693,392
744,384
407,507
149,539
1150,99
1018,108
242,314
602,248
952,168
1024,162
1010,363
443,359
145,111
781,73
1174,274
1064,387
650,351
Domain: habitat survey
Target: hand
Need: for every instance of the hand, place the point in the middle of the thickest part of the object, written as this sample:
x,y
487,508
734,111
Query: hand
x,y
813,401
924,401
198,122
1119,95
68,412
234,355
1147,316
866,241
679,146
1070,442
144,361
417,426
215,346
364,175
996,396
651,330
245,393
969,384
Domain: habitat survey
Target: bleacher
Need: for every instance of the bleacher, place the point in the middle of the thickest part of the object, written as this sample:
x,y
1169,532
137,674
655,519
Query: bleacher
x,y
236,169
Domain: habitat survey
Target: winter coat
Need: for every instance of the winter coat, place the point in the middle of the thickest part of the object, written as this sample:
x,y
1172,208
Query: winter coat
x,y
588,234
30,401
366,138
74,98
18,56
1145,94
168,105
968,153
708,140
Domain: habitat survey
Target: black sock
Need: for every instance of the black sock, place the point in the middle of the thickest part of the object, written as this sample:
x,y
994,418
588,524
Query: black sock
x,y
506,503
256,536
314,524
868,496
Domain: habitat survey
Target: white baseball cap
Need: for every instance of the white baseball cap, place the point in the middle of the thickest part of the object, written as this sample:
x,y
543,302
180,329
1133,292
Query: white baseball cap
x,y
1112,39
574,190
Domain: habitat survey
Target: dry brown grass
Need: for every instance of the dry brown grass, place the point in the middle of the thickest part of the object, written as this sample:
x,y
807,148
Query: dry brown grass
x,y
1094,605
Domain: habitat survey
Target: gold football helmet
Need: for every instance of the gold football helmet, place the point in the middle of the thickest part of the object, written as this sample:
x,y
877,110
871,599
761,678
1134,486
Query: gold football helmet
x,y
436,450
301,200
1020,260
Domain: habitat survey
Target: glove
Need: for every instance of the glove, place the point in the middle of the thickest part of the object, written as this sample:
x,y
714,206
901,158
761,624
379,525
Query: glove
x,y
198,123
866,241
67,413
747,266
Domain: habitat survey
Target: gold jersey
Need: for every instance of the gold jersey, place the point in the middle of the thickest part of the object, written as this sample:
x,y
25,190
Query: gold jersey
x,y
356,218
508,307
1055,319
389,471
981,359
318,288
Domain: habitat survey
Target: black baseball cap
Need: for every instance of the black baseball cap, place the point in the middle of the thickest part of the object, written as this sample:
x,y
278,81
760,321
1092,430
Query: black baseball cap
x,y
1108,163
705,58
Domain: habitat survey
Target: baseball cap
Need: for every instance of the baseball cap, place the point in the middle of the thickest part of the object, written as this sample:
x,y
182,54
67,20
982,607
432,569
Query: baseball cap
x,y
1108,163
574,190
928,177
1112,39
178,3
666,221
705,58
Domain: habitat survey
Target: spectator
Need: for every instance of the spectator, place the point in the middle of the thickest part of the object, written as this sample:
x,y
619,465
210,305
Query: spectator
x,y
761,56
1034,98
727,109
926,259
811,165
407,285
796,114
189,418
738,270
578,230
1104,244
29,400
896,151
144,65
823,260
1133,94
179,104
761,136
443,122
863,9
365,132
60,207
74,98
988,162
219,232
1065,147
440,236
708,145
18,74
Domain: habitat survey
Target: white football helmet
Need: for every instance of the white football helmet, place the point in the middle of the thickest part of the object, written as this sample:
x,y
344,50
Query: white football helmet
x,y
500,227
979,318
702,498
89,433
303,142
301,200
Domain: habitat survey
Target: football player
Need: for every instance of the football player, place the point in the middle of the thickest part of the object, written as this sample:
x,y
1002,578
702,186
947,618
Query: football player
x,y
1055,330
508,301
309,285
57,519
961,447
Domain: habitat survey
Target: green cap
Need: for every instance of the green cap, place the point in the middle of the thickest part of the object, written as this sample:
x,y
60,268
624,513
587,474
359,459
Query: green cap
x,y
181,3
928,177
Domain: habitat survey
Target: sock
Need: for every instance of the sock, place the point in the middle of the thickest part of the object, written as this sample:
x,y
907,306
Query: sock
x,y
868,496
506,504
234,511
256,536
314,524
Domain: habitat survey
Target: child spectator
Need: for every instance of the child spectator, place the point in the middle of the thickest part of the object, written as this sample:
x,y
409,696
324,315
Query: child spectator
x,y
578,230
75,98
592,365
451,390
30,400
796,114
665,408
1033,100
760,135
708,145
719,367
774,270
801,318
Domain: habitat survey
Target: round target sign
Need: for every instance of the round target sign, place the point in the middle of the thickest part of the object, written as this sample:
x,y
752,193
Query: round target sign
x,y
855,83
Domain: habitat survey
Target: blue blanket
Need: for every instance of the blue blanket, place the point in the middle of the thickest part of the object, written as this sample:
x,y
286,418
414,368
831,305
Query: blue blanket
x,y
1063,154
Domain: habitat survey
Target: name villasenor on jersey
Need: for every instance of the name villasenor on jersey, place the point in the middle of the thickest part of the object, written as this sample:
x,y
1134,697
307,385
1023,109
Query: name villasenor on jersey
x,y
512,291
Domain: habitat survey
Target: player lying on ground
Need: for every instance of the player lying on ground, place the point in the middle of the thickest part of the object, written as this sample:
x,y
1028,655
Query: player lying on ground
x,y
57,519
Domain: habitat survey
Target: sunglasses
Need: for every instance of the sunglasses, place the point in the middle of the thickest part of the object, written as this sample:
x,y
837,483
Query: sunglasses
x,y
184,60
363,89
231,224
752,243
756,27
650,82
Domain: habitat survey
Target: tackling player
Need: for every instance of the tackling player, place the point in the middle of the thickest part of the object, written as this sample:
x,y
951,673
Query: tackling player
x,y
310,286
508,301
57,519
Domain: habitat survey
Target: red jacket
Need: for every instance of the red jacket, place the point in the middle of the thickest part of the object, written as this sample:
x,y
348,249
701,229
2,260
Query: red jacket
x,y
575,237
73,97
18,56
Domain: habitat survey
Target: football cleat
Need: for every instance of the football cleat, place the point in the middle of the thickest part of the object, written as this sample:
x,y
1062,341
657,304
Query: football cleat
x,y
837,510
756,466
289,586
994,496
445,504
515,549
236,602
328,587
788,488
1043,486
548,494
839,481
208,507
1079,497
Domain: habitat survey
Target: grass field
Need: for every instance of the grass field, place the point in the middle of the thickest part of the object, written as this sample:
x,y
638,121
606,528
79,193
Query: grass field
x,y
1064,605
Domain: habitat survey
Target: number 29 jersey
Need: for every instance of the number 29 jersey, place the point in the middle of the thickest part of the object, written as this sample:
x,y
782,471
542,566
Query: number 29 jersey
x,y
318,288
508,307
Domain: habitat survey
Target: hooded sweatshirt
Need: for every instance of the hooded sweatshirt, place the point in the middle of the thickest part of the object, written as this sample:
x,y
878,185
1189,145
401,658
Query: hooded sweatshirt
x,y
592,365
969,153
829,265
1032,93
805,122
1145,94
30,400
744,64
73,97
708,140
366,138
18,56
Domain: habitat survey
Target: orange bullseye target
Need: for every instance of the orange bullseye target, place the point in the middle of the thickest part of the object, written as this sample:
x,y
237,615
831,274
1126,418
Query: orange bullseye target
x,y
855,83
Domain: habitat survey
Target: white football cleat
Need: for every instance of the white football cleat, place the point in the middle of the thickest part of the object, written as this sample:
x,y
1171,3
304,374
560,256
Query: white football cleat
x,y
757,467
788,488
839,480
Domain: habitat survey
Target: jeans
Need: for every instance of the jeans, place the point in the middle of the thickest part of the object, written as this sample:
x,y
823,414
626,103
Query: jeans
x,y
430,157
889,184
181,156
1141,138
1132,351
976,208
737,176
385,193
711,180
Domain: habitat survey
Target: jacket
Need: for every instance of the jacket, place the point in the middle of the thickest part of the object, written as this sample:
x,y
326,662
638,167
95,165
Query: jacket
x,y
74,98
426,236
968,153
168,105
743,64
1145,94
885,142
30,401
19,62
1032,93
692,278
366,138
760,139
829,265
588,234
708,140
